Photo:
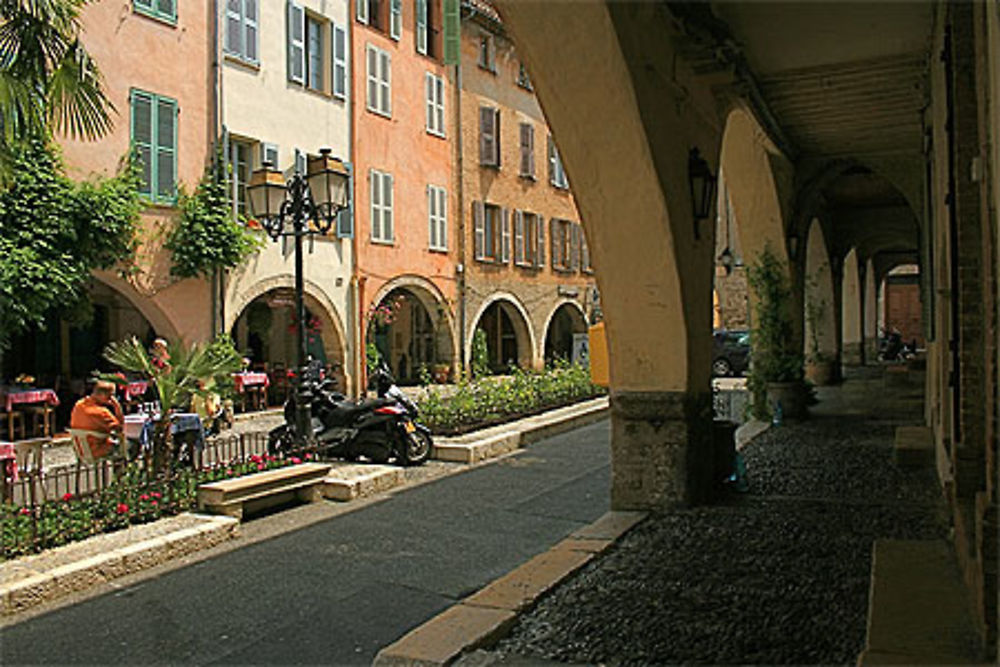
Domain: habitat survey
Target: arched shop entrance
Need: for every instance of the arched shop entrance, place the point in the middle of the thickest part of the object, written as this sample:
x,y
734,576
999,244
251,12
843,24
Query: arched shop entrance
x,y
508,339
566,322
62,355
411,331
266,332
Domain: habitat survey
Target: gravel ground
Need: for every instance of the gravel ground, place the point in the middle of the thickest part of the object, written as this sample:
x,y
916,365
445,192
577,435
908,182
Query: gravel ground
x,y
779,575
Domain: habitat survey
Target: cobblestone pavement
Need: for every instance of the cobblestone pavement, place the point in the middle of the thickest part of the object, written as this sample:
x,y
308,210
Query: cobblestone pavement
x,y
777,575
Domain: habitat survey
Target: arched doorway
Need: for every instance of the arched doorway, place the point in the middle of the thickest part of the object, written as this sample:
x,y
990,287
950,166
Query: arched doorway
x,y
509,342
266,332
411,332
565,322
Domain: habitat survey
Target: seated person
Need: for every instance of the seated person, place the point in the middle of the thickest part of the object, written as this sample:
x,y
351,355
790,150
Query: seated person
x,y
101,413
209,408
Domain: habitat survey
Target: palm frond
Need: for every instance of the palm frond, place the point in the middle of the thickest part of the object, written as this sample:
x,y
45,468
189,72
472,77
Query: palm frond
x,y
77,105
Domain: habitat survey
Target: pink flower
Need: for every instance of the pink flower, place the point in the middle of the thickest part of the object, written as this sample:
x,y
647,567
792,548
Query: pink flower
x,y
144,497
229,471
67,496
296,460
24,511
309,456
260,466
255,459
122,508
156,494
153,503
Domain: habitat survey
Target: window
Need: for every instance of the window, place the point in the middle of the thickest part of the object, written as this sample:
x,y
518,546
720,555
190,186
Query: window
x,y
240,153
529,240
488,53
528,150
379,81
154,136
296,43
373,13
269,154
522,78
339,50
381,198
557,176
585,264
489,136
314,53
361,10
160,9
396,19
434,88
241,30
421,31
566,237
492,232
437,217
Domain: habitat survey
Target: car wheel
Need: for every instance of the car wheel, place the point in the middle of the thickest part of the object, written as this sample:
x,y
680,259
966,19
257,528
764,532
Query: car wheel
x,y
721,367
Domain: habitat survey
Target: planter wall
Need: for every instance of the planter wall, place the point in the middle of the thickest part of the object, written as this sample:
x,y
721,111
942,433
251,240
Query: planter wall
x,y
791,396
820,373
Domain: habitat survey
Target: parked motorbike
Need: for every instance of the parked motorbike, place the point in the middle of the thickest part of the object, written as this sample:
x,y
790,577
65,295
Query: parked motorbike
x,y
378,429
892,348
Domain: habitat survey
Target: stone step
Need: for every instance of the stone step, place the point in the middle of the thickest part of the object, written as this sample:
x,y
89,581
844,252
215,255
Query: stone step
x,y
347,482
913,446
478,451
917,610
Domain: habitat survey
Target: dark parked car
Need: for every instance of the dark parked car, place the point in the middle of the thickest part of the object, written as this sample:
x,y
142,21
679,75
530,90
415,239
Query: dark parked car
x,y
730,352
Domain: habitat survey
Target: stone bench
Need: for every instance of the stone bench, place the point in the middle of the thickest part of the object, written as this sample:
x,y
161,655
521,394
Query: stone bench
x,y
917,610
350,482
913,446
233,497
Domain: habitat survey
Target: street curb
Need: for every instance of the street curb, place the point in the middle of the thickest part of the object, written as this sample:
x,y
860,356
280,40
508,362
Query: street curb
x,y
72,577
509,437
486,616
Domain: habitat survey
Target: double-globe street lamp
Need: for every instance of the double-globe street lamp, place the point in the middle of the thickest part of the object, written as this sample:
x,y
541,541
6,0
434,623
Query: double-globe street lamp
x,y
306,205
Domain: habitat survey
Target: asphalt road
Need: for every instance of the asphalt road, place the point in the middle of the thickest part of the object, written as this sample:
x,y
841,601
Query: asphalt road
x,y
337,591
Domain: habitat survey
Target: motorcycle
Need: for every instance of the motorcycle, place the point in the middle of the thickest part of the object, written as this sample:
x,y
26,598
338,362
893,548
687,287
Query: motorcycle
x,y
892,348
378,429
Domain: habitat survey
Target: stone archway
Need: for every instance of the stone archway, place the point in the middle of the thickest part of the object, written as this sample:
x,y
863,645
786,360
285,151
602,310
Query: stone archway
x,y
565,320
820,317
509,336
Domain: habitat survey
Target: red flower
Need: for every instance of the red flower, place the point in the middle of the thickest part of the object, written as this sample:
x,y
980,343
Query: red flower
x,y
309,456
260,466
67,496
270,458
154,503
24,511
122,508
156,494
255,459
229,471
296,460
144,497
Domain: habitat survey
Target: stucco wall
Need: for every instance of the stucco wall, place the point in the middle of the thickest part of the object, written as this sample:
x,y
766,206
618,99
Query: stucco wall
x,y
539,291
173,60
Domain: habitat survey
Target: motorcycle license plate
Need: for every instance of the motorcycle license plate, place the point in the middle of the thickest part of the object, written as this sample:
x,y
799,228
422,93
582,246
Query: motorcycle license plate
x,y
410,428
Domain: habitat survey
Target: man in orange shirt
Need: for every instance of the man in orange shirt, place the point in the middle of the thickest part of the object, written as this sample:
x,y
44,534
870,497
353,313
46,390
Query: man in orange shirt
x,y
100,412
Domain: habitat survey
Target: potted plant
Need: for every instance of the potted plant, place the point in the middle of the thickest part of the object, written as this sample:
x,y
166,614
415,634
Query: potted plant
x,y
776,368
819,364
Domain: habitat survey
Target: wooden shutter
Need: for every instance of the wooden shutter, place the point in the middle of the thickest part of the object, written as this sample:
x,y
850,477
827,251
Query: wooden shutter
x,y
439,103
479,224
540,254
250,47
396,19
531,150
574,247
584,252
496,137
345,217
421,26
387,212
431,218
552,162
442,209
375,197
166,148
234,27
554,241
296,43
339,51
142,138
486,135
518,237
385,82
525,149
505,236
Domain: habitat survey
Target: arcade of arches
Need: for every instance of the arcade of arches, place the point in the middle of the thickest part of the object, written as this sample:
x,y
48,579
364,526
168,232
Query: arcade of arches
x,y
898,166
411,329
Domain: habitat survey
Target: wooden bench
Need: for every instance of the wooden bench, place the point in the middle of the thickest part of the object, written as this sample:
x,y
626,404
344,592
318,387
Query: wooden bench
x,y
250,493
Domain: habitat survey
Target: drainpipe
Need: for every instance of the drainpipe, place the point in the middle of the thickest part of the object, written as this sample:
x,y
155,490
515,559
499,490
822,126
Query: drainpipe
x,y
216,296
460,161
355,307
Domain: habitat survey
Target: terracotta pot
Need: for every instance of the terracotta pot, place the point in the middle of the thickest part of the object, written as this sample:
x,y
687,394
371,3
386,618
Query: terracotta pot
x,y
791,395
820,373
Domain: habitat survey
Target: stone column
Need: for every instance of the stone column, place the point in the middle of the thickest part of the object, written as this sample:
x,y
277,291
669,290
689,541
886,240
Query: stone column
x,y
870,314
851,312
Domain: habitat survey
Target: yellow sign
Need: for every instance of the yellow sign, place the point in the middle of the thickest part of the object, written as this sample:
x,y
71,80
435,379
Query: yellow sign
x,y
599,355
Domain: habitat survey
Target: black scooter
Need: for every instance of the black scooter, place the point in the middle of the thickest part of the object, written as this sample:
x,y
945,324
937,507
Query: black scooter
x,y
378,429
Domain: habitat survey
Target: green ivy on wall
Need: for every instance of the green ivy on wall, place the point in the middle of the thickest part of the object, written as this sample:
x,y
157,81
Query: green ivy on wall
x,y
208,236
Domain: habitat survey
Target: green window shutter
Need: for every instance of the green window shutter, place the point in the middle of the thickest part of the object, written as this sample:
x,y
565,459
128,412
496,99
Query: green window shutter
x,y
142,138
166,149
452,32
166,8
144,5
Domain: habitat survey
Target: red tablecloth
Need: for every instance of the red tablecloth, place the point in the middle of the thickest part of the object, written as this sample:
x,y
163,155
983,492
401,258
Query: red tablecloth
x,y
12,396
243,380
136,388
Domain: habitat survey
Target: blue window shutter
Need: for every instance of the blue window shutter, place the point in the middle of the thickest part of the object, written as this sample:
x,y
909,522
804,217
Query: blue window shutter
x,y
345,218
166,149
296,43
340,70
234,27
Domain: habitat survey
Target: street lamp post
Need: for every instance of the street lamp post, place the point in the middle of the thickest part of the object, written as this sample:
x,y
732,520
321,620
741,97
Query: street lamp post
x,y
306,205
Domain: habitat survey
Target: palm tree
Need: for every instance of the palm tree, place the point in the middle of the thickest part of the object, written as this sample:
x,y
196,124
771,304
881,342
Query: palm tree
x,y
177,383
48,81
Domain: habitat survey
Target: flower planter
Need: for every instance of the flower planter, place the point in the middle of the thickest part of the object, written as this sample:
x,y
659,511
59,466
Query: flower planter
x,y
441,373
791,396
820,373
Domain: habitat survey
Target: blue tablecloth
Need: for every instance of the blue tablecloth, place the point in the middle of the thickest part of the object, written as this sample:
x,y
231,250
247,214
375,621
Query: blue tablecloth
x,y
181,422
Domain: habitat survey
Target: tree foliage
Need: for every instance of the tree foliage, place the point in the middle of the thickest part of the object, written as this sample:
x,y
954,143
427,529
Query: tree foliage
x,y
207,236
54,232
48,81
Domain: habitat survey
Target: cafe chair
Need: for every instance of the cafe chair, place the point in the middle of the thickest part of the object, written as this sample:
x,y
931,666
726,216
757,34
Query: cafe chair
x,y
42,419
92,446
15,422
